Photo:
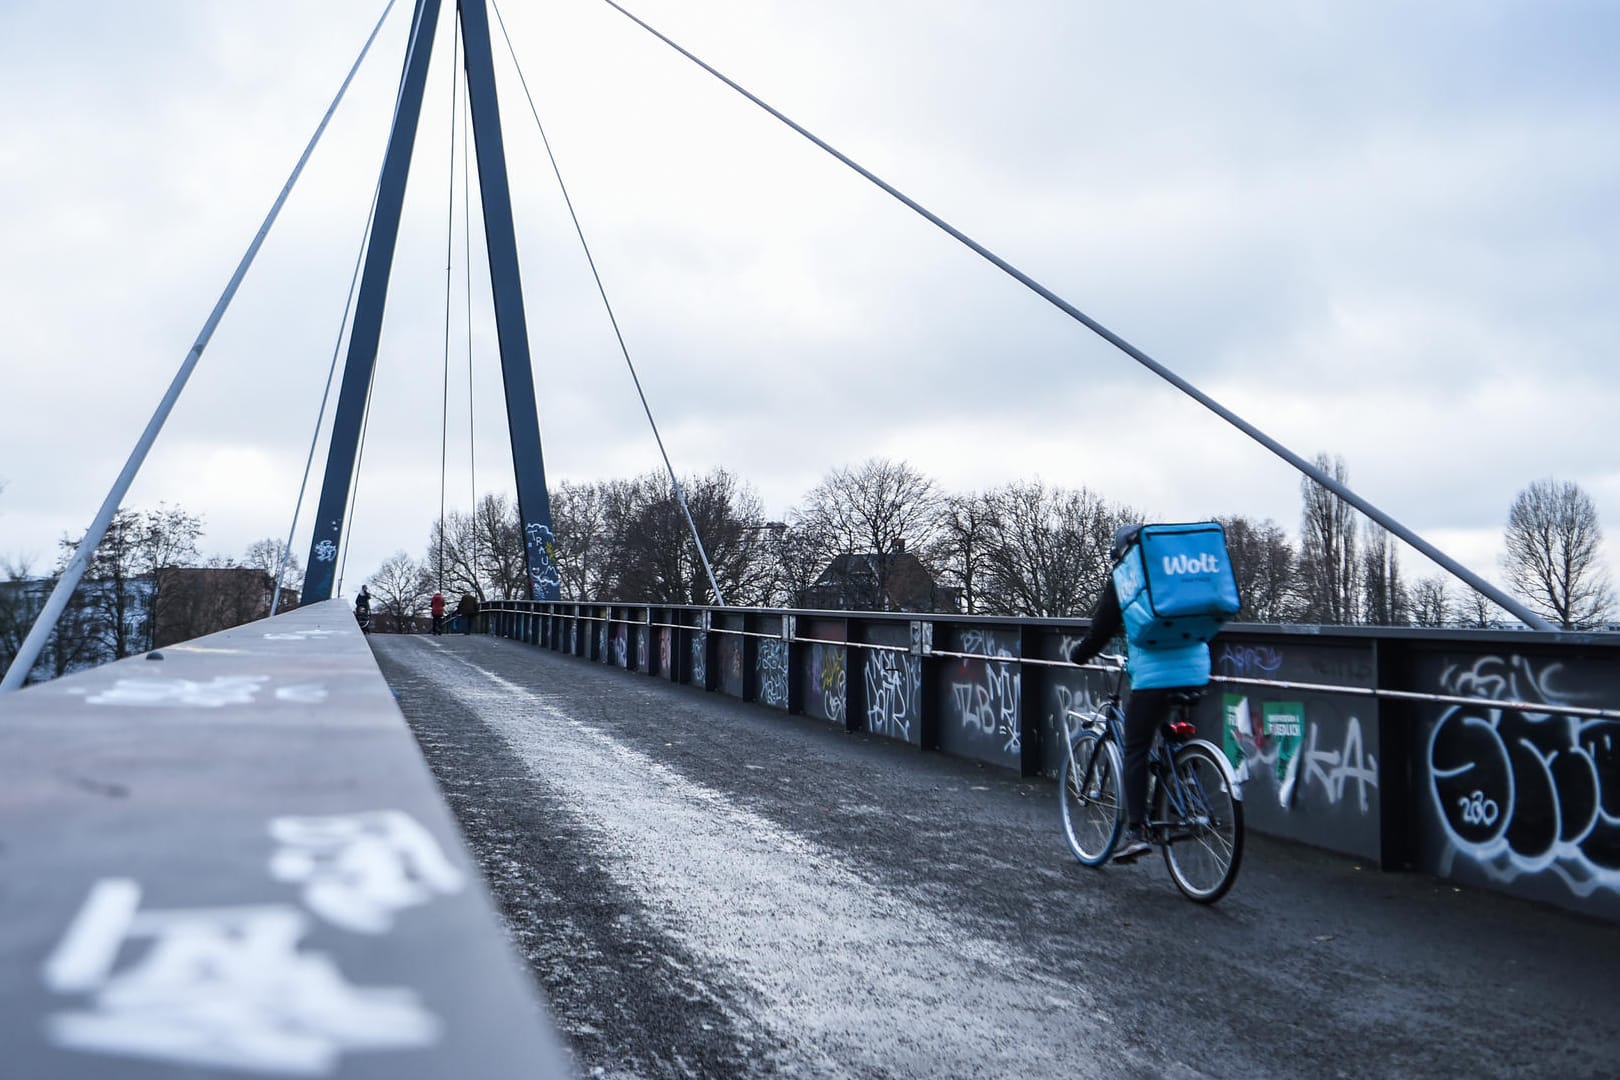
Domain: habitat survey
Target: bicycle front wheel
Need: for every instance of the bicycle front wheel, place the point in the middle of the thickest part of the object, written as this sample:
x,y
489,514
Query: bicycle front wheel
x,y
1203,836
1089,790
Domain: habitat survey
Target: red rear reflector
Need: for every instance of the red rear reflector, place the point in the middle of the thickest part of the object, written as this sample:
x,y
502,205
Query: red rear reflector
x,y
1183,730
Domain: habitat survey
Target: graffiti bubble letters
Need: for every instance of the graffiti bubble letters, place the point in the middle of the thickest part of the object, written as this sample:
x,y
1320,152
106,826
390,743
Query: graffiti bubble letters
x,y
1526,792
542,544
359,869
216,988
325,551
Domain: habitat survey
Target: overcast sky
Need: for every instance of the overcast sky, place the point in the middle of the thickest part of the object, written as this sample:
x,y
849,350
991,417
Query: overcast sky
x,y
1387,231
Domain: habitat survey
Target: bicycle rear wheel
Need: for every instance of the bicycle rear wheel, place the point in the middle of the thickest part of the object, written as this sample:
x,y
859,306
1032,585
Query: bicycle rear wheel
x,y
1204,838
1089,793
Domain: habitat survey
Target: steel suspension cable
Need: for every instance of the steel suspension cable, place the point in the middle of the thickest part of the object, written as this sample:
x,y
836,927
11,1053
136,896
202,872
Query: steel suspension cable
x,y
466,259
449,248
1322,478
34,643
680,495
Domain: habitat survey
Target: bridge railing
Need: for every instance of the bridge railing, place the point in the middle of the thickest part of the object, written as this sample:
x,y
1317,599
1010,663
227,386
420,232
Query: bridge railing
x,y
1487,757
228,855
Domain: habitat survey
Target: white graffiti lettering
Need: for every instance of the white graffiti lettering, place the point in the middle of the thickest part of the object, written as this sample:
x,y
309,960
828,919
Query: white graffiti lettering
x,y
1478,810
1334,768
891,694
216,988
357,870
1525,792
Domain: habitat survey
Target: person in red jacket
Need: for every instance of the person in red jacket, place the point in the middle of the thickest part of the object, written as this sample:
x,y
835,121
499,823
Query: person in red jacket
x,y
436,606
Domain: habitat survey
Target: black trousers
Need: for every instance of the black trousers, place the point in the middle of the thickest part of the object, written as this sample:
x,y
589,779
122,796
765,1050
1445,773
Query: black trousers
x,y
1145,710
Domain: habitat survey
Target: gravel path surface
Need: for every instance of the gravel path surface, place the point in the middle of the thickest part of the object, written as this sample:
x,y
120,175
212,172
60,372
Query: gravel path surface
x,y
705,888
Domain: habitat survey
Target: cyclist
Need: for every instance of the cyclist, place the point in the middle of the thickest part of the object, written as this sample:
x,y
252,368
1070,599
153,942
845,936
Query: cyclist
x,y
362,608
1156,674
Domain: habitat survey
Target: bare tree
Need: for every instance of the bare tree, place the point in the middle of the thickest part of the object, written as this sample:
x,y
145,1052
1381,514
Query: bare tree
x,y
22,597
1265,565
266,555
1328,564
577,521
652,556
168,538
1431,602
966,524
1554,551
121,587
1478,610
452,555
1384,599
401,588
879,508
1048,551
503,558
481,553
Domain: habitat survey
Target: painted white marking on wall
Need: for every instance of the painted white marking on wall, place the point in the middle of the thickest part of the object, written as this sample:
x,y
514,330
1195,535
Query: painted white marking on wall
x,y
90,946
217,988
358,870
223,690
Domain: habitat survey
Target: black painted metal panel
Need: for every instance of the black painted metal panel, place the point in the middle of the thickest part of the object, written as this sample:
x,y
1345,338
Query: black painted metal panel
x,y
1520,799
1308,760
979,700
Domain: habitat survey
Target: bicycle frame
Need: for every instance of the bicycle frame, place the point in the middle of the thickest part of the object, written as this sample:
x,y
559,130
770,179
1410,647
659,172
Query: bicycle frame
x,y
1186,800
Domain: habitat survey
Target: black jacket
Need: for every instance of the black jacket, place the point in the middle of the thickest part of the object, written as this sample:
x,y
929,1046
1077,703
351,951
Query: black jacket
x,y
1106,622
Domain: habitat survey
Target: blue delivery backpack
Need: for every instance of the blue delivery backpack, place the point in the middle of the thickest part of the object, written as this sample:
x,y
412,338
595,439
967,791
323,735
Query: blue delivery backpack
x,y
1176,585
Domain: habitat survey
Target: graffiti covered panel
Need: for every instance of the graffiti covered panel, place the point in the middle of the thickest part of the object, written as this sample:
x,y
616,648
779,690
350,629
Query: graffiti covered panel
x,y
1516,797
894,696
700,658
826,683
771,669
979,710
1308,761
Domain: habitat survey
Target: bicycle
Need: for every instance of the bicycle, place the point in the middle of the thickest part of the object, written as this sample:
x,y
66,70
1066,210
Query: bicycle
x,y
1195,808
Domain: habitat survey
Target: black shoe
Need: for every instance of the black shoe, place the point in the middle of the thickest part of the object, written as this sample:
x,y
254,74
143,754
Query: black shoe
x,y
1132,846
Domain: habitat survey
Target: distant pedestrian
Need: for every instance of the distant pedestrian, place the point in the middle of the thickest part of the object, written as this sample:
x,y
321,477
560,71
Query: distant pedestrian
x,y
436,606
468,610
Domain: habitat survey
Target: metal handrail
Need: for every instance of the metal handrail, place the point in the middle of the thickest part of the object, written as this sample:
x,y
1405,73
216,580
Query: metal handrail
x,y
1585,712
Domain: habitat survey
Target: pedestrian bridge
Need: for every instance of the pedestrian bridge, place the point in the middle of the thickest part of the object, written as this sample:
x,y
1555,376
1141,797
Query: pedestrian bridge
x,y
231,857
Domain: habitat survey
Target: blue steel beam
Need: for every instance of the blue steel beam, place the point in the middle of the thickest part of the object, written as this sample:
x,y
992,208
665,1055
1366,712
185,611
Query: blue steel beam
x,y
522,418
368,312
